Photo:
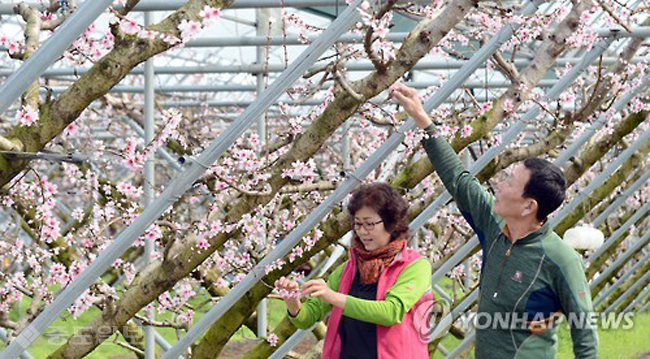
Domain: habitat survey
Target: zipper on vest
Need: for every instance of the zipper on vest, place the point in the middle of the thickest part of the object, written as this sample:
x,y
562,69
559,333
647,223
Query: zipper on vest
x,y
508,252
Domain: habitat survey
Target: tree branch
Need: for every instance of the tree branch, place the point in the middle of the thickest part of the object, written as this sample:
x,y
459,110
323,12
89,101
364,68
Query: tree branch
x,y
130,4
368,40
614,16
160,276
318,186
10,145
547,54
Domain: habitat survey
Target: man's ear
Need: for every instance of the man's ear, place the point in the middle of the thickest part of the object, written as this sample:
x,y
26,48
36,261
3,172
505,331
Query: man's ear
x,y
531,207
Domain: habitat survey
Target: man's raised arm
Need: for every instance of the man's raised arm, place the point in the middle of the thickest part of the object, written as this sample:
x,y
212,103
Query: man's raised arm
x,y
474,202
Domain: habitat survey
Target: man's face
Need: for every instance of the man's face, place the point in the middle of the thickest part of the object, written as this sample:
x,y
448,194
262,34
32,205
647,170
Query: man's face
x,y
509,200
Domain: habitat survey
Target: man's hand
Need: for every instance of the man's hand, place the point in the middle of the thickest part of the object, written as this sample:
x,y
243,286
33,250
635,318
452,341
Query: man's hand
x,y
540,326
411,102
318,288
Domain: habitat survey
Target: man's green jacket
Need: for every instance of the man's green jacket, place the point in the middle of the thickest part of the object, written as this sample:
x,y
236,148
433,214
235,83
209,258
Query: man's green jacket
x,y
528,280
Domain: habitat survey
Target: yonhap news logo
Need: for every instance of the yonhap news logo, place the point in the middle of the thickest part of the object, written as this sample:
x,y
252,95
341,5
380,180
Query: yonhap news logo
x,y
427,315
431,320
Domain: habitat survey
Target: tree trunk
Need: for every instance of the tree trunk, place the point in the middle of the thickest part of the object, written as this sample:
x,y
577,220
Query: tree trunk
x,y
603,191
161,276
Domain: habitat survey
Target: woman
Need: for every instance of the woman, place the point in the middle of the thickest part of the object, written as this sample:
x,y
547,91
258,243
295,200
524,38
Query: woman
x,y
374,294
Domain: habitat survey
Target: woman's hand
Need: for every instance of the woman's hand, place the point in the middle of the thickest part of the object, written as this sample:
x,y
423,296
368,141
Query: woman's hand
x,y
412,104
318,288
287,286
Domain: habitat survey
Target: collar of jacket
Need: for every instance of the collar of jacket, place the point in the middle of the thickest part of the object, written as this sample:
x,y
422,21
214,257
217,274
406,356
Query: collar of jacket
x,y
530,237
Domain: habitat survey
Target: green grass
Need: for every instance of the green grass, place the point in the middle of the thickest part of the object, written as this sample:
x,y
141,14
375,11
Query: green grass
x,y
619,343
612,343
59,332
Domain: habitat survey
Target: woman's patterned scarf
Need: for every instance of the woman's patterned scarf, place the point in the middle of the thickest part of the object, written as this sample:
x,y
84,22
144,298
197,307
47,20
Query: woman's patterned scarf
x,y
372,263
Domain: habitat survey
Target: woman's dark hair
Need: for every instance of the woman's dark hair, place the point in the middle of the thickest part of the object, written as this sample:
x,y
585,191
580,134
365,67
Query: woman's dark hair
x,y
387,202
547,186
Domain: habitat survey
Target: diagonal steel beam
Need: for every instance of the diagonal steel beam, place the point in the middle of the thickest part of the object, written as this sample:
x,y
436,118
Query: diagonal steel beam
x,y
4,338
54,47
638,300
293,238
177,187
641,282
616,265
621,198
607,292
336,29
619,232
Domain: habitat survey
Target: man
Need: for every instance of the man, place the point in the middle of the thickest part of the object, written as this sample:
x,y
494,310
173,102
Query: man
x,y
528,272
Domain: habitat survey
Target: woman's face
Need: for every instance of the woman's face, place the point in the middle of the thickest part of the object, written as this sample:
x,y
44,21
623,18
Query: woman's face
x,y
370,229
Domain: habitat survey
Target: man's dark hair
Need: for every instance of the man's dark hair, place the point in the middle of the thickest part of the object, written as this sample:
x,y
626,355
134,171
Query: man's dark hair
x,y
547,186
387,202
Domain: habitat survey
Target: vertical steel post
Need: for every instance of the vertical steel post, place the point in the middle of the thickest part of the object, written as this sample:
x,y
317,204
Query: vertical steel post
x,y
149,181
262,27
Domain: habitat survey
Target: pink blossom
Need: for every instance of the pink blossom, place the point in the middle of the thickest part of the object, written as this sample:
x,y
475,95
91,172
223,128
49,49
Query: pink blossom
x,y
302,171
13,47
467,131
381,31
153,233
203,243
508,106
165,302
215,228
134,161
57,274
272,339
27,116
70,130
170,39
296,252
457,272
209,15
188,29
129,27
129,190
147,34
485,107
187,317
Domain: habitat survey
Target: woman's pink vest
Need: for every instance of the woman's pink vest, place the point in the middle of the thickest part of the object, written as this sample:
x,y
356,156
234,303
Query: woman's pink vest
x,y
402,340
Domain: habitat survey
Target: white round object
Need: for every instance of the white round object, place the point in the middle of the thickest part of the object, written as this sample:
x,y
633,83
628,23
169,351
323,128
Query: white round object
x,y
584,237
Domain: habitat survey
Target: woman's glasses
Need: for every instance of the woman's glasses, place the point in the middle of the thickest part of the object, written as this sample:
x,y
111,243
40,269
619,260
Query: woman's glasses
x,y
368,226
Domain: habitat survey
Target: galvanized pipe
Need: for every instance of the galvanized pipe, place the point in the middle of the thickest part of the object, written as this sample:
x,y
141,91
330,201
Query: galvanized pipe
x,y
641,282
255,68
178,187
607,292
